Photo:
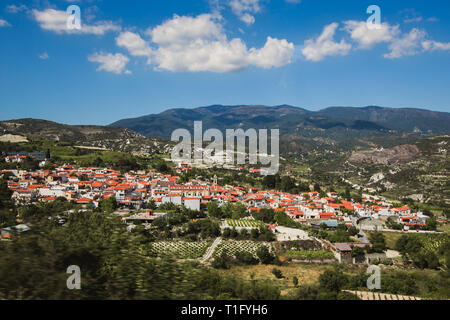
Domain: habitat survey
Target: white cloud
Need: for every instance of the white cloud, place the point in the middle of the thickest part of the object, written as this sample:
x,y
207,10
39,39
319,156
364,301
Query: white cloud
x,y
248,19
4,23
317,49
430,45
199,43
44,56
245,9
115,63
366,37
56,21
184,30
135,45
407,45
275,53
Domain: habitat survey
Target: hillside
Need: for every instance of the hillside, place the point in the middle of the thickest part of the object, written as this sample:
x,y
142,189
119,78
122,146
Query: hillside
x,y
112,138
334,129
419,171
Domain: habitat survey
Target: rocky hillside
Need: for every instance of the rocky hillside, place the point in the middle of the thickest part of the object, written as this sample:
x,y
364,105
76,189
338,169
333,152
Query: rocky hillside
x,y
396,155
420,171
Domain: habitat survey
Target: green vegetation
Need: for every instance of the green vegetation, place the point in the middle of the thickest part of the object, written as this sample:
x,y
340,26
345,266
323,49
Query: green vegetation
x,y
115,264
232,247
260,234
244,223
425,252
179,249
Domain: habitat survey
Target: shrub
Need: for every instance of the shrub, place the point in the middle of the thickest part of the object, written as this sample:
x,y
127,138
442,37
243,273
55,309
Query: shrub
x,y
277,273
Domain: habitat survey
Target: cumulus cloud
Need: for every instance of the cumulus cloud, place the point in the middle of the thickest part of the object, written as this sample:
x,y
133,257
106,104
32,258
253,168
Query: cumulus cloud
x,y
56,21
408,44
317,49
366,37
135,45
115,63
275,53
430,45
4,23
199,44
245,9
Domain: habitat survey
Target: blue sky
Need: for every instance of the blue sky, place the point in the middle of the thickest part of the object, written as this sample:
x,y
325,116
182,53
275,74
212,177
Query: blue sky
x,y
132,58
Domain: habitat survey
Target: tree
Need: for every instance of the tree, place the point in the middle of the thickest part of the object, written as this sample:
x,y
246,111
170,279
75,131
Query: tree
x,y
378,241
264,255
333,280
239,211
265,215
357,251
213,209
227,210
277,273
108,205
295,281
431,224
5,196
246,258
352,231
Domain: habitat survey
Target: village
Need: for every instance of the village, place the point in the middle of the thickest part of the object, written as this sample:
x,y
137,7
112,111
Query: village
x,y
138,193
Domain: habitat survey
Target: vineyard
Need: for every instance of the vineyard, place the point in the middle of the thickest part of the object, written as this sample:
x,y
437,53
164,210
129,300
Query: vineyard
x,y
244,223
180,249
231,247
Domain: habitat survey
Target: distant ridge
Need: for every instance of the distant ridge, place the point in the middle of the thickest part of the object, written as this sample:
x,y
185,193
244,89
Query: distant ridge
x,y
290,119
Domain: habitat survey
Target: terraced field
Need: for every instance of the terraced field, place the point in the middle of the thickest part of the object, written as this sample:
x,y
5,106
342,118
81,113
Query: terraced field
x,y
244,223
231,247
180,249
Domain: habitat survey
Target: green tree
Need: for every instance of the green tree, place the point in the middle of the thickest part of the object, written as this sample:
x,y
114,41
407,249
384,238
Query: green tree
x,y
264,255
213,209
277,273
333,280
108,205
378,241
295,281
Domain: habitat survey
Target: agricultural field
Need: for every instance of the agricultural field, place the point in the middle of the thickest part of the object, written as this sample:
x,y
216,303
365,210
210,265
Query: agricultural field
x,y
231,247
180,249
309,255
244,223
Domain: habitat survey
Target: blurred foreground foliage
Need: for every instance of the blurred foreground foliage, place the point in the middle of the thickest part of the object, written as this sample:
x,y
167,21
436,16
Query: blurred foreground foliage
x,y
114,263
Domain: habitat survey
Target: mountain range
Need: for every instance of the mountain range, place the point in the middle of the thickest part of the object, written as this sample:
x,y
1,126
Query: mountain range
x,y
290,119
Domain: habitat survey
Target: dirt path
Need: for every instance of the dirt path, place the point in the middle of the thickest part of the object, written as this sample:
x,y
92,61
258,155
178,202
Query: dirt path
x,y
209,252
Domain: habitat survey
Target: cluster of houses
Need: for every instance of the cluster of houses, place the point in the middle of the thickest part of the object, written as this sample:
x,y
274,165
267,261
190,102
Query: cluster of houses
x,y
22,156
134,190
